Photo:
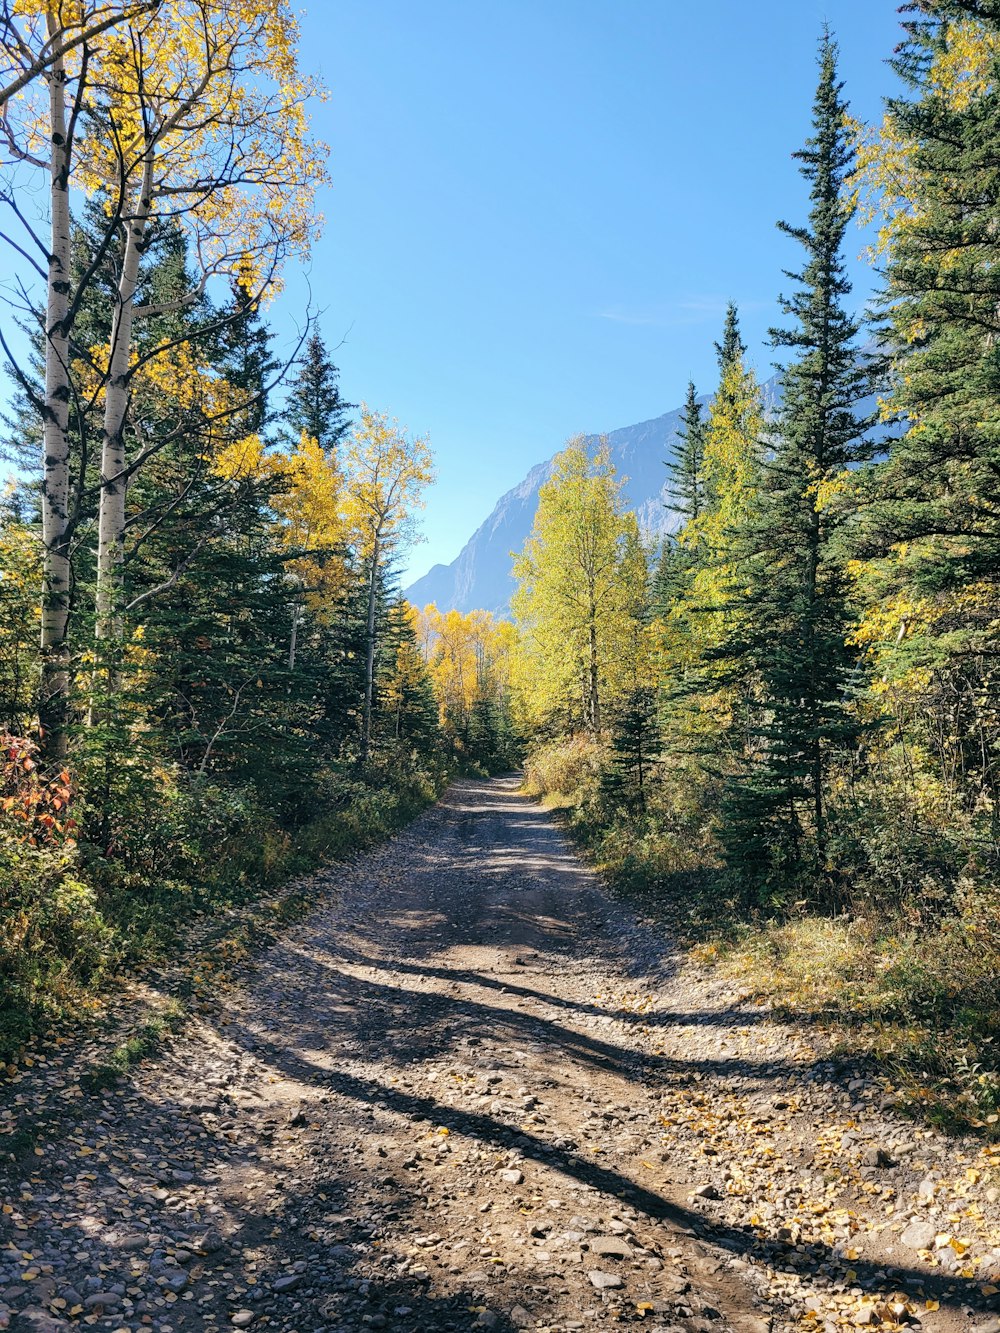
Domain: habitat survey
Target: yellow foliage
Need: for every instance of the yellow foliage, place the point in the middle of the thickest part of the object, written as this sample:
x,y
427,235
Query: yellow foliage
x,y
581,594
887,184
470,658
387,471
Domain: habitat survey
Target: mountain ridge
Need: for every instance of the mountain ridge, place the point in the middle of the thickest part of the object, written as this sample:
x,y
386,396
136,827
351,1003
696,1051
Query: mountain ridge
x,y
479,578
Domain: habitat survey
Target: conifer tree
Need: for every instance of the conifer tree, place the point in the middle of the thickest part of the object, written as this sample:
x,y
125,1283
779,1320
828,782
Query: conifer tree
x,y
788,616
687,489
687,461
635,744
932,537
315,404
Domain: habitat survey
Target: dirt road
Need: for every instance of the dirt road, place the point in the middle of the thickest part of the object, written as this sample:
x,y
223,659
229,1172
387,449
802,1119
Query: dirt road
x,y
471,1091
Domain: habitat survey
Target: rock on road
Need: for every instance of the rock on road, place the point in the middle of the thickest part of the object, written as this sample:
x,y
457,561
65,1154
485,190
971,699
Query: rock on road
x,y
471,1091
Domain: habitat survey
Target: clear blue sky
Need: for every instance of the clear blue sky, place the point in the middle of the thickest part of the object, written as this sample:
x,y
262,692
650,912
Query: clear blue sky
x,y
540,207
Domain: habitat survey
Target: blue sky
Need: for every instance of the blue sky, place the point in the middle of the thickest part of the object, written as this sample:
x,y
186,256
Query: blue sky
x,y
540,207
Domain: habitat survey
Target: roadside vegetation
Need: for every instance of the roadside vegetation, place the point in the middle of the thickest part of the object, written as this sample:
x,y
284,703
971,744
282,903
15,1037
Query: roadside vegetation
x,y
795,755
209,681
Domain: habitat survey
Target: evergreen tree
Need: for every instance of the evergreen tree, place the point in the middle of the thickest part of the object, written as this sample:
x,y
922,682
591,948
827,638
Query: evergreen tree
x,y
788,616
687,461
932,535
315,404
731,348
687,489
635,744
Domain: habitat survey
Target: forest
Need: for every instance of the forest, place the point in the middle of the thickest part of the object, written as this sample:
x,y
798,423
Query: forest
x,y
779,729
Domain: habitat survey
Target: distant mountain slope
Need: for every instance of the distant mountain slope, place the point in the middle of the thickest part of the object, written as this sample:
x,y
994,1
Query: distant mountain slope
x,y
479,577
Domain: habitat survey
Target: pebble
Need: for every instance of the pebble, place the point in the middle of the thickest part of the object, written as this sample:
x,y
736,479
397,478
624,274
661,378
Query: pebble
x,y
610,1247
603,1281
919,1236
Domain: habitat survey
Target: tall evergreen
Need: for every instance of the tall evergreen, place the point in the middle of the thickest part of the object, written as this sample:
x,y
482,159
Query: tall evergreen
x,y
789,615
933,535
315,404
687,459
731,347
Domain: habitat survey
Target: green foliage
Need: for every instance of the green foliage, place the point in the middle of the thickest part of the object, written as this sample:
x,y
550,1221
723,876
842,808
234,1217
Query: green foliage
x,y
315,404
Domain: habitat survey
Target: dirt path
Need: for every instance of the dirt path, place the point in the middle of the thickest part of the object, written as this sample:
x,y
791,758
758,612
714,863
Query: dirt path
x,y
473,1092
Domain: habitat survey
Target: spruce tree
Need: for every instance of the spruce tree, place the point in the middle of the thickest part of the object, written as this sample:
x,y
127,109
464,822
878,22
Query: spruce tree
x,y
687,491
635,745
315,404
687,461
731,346
789,616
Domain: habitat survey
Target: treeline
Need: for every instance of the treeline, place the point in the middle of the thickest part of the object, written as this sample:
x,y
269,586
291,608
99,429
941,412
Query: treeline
x,y
794,714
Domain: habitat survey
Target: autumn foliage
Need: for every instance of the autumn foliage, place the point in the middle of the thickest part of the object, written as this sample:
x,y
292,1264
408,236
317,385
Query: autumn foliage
x,y
35,807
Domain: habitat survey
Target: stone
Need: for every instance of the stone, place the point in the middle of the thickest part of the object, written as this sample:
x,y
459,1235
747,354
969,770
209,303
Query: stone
x,y
242,1319
603,1281
707,1192
512,1177
520,1317
105,1300
287,1282
610,1247
487,1319
40,1321
918,1236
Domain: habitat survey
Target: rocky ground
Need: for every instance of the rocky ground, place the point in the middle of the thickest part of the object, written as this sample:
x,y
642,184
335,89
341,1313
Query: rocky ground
x,y
472,1092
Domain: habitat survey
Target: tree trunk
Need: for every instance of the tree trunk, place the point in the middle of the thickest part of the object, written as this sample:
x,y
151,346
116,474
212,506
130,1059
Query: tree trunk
x,y
293,641
53,705
366,727
593,676
114,483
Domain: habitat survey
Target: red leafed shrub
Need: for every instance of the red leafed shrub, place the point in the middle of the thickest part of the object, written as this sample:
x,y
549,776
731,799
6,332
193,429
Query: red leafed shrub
x,y
34,807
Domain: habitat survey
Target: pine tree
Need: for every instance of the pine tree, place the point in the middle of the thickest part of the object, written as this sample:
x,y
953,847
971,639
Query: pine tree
x,y
731,348
315,404
635,745
932,535
788,616
687,461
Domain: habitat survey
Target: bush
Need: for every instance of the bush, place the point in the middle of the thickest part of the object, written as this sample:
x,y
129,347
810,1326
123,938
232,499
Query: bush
x,y
568,771
163,848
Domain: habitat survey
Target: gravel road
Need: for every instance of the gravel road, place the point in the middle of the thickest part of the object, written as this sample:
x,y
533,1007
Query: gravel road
x,y
471,1091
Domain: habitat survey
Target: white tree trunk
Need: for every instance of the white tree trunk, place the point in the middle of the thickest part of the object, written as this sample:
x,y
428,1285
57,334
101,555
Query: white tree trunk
x,y
366,727
54,692
114,483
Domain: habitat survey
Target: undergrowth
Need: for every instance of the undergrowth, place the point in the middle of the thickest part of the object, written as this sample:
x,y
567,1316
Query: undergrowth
x,y
908,980
75,917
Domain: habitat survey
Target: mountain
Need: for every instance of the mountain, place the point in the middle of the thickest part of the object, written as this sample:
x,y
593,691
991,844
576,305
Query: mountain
x,y
479,577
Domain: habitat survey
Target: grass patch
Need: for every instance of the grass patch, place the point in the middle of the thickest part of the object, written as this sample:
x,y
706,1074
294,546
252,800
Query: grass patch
x,y
144,1043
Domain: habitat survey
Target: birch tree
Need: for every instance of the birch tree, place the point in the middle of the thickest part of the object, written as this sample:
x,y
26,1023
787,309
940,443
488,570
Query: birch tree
x,y
47,54
183,112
